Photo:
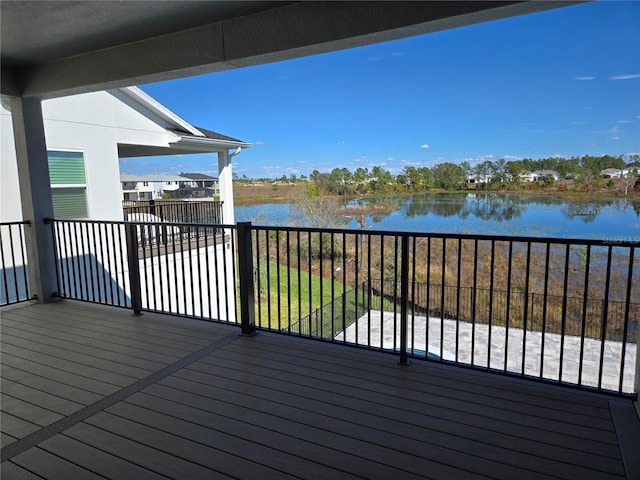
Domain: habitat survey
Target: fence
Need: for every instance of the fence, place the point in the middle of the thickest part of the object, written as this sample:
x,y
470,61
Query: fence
x,y
174,211
14,278
472,304
148,266
556,310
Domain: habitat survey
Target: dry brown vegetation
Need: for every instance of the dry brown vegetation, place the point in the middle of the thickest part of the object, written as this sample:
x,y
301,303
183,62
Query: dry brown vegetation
x,y
505,283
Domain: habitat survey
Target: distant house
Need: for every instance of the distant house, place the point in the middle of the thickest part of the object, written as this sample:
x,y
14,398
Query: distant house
x,y
539,175
200,181
619,172
148,187
478,178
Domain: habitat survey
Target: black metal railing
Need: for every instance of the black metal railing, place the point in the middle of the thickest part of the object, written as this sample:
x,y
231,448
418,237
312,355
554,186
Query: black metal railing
x,y
123,264
458,304
558,310
174,211
14,278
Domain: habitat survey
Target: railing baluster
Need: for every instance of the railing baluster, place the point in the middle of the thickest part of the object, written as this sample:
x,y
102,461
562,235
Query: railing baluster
x,y
565,285
544,307
508,305
474,301
585,298
605,313
458,279
626,324
525,313
404,298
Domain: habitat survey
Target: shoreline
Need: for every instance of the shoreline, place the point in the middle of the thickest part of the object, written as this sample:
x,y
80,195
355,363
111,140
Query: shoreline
x,y
264,193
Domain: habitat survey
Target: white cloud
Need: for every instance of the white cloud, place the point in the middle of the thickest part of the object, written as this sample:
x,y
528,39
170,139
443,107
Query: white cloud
x,y
259,144
584,78
613,138
624,121
342,142
577,123
625,77
377,58
424,146
511,158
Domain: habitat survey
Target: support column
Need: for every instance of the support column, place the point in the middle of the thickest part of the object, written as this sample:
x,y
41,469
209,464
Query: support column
x,y
35,194
225,178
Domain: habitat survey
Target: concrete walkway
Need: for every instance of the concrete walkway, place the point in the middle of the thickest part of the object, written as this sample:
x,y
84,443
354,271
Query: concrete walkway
x,y
505,347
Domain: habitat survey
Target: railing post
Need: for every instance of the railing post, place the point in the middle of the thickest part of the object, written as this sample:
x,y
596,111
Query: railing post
x,y
133,261
152,206
245,276
404,300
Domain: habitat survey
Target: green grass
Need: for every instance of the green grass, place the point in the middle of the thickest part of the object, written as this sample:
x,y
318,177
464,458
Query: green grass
x,y
297,296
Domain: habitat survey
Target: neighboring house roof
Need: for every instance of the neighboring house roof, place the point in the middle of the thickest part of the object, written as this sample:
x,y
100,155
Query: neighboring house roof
x,y
197,176
182,137
217,136
128,177
161,177
151,177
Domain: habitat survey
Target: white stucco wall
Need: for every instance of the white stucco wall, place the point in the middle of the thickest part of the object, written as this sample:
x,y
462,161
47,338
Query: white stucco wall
x,y
83,123
10,210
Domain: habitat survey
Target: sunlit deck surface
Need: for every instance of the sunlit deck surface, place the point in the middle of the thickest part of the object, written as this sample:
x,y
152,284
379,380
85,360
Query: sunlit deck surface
x,y
93,392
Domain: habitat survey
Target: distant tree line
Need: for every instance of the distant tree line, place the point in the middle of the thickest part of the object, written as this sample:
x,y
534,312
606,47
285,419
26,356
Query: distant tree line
x,y
585,172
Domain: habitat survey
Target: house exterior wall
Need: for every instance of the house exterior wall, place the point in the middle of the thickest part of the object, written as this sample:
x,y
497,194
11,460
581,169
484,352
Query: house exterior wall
x,y
92,132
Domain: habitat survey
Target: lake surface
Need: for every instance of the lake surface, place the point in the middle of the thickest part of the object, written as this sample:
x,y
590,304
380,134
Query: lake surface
x,y
492,214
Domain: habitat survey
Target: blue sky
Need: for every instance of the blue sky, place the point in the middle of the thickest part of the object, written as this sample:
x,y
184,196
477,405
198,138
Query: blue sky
x,y
563,82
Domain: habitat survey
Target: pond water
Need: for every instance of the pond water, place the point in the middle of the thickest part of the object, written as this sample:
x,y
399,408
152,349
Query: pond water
x,y
490,214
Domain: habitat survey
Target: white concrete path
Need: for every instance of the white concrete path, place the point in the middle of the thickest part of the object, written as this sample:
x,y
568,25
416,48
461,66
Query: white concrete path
x,y
503,345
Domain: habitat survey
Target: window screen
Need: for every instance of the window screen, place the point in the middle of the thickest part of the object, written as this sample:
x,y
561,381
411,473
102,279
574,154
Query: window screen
x,y
68,185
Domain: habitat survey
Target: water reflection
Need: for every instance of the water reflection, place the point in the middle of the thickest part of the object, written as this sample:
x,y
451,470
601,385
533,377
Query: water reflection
x,y
587,212
508,214
490,207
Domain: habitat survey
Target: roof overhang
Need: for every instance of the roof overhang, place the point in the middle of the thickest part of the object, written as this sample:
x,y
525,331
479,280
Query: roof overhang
x,y
51,49
180,145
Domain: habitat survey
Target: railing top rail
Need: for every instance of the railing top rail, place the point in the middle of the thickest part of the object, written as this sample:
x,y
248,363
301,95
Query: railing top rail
x,y
388,233
20,222
126,222
461,236
146,203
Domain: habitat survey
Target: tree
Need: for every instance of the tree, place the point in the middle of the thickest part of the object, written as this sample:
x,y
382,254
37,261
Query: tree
x,y
361,179
514,170
466,168
425,178
449,176
483,171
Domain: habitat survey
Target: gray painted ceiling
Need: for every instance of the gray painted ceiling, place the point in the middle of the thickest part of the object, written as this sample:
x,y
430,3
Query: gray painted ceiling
x,y
56,48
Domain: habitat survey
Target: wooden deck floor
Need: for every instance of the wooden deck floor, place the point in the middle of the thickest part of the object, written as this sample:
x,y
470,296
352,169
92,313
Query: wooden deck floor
x,y
92,392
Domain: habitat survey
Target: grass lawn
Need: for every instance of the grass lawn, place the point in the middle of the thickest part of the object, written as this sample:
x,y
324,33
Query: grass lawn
x,y
285,295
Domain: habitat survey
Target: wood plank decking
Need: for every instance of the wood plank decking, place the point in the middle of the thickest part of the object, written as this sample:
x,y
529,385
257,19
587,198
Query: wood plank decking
x,y
92,392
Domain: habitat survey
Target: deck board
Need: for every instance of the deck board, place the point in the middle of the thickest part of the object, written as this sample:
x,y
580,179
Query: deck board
x,y
537,456
169,397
